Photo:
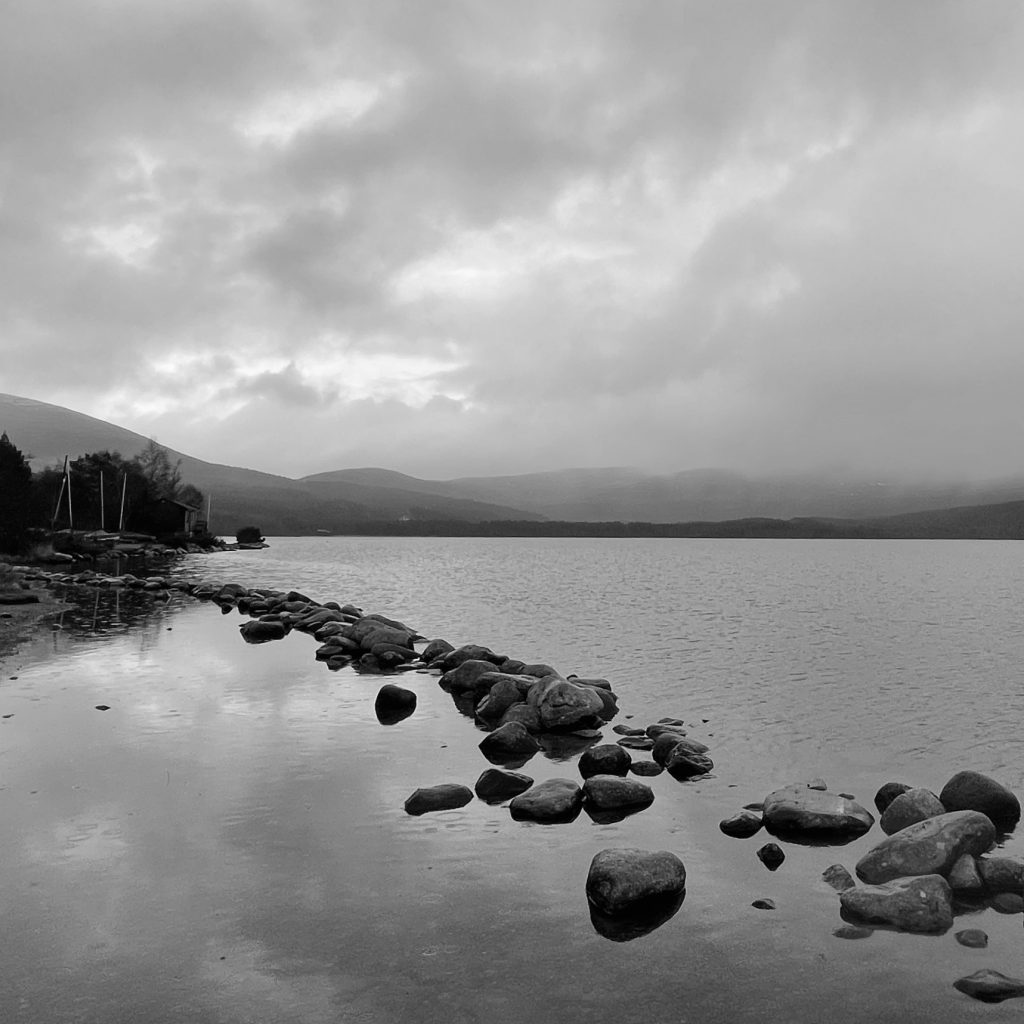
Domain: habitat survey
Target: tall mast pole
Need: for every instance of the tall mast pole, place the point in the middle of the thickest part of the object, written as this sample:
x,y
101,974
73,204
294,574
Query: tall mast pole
x,y
71,516
60,494
124,488
103,521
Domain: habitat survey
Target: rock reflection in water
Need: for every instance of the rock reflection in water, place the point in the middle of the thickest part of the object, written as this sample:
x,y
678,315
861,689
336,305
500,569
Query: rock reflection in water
x,y
640,920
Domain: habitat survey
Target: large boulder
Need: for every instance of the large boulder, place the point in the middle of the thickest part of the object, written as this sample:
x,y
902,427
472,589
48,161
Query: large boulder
x,y
621,879
604,759
667,742
909,808
812,813
613,793
259,632
467,676
509,744
467,652
921,904
972,791
564,705
444,797
682,764
496,785
551,802
1001,874
928,847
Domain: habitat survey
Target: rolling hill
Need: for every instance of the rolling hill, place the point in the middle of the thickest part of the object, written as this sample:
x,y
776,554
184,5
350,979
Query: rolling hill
x,y
360,500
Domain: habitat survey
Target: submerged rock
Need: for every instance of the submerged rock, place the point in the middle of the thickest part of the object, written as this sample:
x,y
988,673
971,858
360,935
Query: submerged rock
x,y
922,904
812,813
621,879
972,791
972,938
444,797
838,877
928,847
990,986
645,768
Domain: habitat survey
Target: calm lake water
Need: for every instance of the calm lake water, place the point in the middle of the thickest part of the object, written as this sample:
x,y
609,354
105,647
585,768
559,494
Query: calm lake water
x,y
227,842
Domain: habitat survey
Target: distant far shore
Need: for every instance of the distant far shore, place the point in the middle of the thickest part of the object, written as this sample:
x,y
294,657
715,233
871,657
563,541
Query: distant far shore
x,y
924,526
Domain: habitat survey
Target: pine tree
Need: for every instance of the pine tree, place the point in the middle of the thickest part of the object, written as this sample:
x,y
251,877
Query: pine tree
x,y
15,496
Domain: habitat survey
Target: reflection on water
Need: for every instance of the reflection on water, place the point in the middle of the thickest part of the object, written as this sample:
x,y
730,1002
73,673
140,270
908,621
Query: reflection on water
x,y
227,842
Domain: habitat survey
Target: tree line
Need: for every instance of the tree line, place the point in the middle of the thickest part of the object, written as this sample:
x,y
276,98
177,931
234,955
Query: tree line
x,y
101,485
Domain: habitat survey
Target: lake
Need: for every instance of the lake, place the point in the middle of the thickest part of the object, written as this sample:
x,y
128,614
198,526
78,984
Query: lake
x,y
227,842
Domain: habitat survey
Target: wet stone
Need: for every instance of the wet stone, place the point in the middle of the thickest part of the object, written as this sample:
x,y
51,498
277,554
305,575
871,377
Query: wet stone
x,y
771,856
853,931
838,877
1007,903
444,797
990,986
742,825
973,938
646,768
764,904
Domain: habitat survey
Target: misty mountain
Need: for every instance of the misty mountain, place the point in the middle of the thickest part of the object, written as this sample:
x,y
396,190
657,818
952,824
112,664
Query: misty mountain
x,y
704,495
277,504
337,501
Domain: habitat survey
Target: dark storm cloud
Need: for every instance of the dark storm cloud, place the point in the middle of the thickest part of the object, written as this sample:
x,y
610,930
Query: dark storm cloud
x,y
506,237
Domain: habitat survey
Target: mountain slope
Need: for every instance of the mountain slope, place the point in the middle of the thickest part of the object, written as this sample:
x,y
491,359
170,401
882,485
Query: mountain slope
x,y
277,504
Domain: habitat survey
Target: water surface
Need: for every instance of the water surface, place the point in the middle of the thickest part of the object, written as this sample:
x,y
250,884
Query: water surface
x,y
227,843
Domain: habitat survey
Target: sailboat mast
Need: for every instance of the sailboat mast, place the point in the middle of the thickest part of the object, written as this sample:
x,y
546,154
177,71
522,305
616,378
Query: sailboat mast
x,y
71,515
124,488
60,494
103,521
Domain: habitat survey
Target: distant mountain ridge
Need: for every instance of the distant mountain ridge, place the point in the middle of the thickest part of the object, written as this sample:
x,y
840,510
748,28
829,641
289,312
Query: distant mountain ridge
x,y
343,500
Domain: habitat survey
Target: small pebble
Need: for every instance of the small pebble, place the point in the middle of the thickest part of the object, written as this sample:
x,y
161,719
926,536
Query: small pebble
x,y
764,904
771,856
851,931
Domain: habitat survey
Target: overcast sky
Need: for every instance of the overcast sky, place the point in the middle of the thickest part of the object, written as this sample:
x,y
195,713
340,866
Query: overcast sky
x,y
490,237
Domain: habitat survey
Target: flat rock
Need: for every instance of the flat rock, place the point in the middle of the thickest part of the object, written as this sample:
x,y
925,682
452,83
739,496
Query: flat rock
x,y
990,986
813,812
259,632
928,847
923,904
972,938
646,769
444,797
620,879
682,764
